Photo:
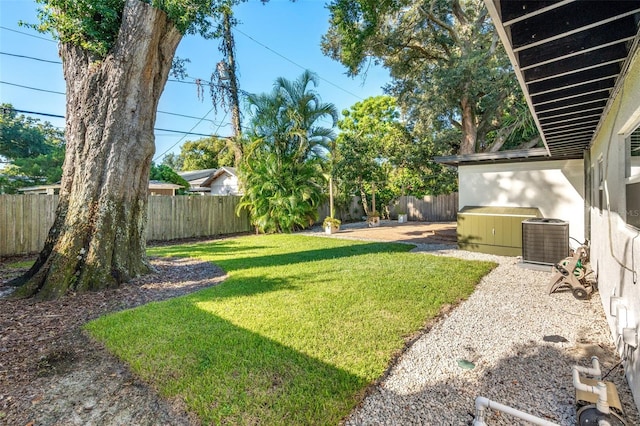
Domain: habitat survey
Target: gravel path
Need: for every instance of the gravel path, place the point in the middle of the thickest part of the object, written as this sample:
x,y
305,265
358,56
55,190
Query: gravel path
x,y
501,329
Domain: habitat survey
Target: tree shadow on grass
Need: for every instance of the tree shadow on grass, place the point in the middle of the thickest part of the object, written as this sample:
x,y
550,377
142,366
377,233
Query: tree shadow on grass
x,y
225,373
212,250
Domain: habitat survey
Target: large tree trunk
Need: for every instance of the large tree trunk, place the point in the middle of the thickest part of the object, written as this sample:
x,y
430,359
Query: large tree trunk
x,y
98,238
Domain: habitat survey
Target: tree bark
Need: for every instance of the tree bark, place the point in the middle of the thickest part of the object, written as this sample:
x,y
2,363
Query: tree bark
x,y
469,127
98,237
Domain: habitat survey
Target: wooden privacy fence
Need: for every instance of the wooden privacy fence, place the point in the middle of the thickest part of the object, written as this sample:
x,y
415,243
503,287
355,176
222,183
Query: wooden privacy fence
x,y
441,208
25,219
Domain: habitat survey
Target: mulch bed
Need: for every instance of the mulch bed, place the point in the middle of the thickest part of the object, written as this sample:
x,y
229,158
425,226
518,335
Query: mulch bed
x,y
52,373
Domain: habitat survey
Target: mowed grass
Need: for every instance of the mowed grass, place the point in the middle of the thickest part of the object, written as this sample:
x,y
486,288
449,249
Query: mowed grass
x,y
295,334
23,264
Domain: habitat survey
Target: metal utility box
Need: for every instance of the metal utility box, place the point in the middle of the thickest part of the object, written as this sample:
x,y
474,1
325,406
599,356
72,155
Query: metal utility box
x,y
545,241
493,230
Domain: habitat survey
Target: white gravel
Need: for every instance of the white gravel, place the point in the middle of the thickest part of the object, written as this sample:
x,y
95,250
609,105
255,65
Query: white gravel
x,y
500,329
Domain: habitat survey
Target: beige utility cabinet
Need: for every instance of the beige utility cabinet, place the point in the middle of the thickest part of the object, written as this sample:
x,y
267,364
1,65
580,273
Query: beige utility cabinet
x,y
493,230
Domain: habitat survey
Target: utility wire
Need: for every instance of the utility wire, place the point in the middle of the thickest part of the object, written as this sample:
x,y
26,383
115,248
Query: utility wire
x,y
30,57
27,34
182,138
32,88
190,132
159,111
196,81
295,63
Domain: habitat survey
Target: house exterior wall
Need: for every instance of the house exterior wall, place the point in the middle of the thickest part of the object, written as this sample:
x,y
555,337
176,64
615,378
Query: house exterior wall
x,y
225,184
555,187
615,252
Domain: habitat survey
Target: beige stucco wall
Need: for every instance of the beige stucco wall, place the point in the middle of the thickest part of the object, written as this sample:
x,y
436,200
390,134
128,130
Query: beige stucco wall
x,y
616,246
555,187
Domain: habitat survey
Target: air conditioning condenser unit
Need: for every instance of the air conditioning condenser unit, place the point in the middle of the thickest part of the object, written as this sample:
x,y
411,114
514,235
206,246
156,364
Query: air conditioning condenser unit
x,y
545,241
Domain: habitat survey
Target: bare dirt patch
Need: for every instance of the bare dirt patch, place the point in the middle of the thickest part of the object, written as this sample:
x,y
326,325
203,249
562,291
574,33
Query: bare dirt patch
x,y
52,373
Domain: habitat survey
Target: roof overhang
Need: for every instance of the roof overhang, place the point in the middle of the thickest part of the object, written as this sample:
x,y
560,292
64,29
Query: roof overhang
x,y
534,154
569,57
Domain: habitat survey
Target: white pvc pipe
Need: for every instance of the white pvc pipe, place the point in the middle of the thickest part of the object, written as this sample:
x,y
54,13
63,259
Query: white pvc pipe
x,y
593,371
482,403
602,405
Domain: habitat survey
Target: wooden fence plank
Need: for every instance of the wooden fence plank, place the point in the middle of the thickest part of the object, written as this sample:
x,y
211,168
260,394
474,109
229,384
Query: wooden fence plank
x,y
25,220
441,208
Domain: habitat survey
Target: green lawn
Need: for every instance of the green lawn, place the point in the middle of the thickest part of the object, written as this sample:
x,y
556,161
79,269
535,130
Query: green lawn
x,y
295,334
20,265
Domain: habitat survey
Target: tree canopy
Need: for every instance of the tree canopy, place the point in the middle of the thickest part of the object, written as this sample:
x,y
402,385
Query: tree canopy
x,y
93,25
165,173
34,151
450,74
376,147
206,153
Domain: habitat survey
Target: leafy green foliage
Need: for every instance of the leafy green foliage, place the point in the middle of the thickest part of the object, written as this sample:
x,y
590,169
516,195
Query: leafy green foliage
x,y
33,150
281,172
450,75
374,146
282,195
165,173
296,333
94,24
205,153
286,121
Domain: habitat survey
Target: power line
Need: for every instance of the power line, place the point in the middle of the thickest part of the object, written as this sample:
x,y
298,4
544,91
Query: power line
x,y
182,138
62,93
32,88
295,63
27,34
30,57
21,111
187,116
38,113
196,81
184,133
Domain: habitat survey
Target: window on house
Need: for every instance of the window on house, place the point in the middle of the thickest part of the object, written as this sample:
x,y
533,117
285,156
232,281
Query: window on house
x,y
632,174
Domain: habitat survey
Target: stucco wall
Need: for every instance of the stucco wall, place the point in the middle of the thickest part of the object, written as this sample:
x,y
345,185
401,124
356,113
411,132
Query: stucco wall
x,y
555,187
615,250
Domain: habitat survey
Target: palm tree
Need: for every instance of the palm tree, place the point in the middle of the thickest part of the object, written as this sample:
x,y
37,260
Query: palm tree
x,y
287,119
281,172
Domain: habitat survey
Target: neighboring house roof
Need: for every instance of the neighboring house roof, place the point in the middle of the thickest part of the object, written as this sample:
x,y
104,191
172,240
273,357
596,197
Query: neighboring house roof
x,y
157,184
570,59
40,189
231,171
196,179
193,175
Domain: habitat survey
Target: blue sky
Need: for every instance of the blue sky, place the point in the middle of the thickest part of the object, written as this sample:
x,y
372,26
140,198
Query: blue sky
x,y
292,29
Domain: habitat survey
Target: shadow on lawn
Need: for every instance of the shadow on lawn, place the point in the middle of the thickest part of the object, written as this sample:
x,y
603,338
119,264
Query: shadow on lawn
x,y
218,253
225,373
